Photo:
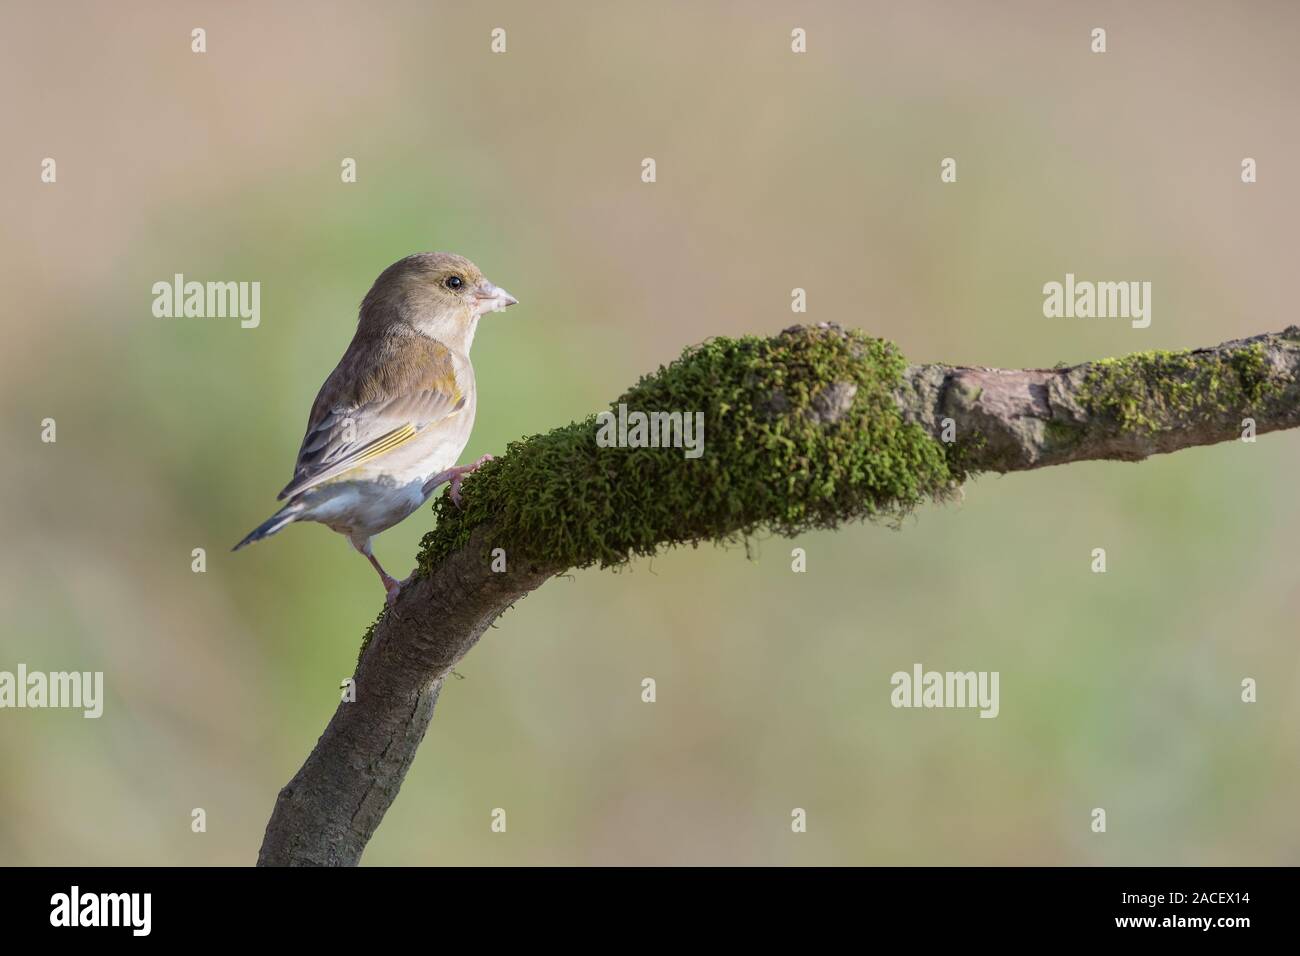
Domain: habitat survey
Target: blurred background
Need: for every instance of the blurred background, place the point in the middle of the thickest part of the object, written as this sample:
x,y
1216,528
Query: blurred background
x,y
775,170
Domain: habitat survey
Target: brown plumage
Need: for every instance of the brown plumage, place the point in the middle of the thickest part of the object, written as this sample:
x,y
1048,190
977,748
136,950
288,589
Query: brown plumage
x,y
376,399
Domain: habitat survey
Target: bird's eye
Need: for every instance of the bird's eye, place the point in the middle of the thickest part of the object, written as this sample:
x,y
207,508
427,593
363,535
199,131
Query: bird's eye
x,y
454,282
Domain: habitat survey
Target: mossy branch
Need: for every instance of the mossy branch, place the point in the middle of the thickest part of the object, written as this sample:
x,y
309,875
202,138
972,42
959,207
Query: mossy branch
x,y
812,428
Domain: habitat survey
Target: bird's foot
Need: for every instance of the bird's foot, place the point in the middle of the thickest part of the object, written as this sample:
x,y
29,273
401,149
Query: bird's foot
x,y
394,587
455,475
461,472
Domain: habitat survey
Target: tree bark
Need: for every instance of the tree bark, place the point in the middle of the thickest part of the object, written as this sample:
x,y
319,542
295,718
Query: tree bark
x,y
995,420
328,812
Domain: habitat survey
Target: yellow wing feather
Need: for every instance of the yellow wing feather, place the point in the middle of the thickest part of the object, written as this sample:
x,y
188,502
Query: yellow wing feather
x,y
369,407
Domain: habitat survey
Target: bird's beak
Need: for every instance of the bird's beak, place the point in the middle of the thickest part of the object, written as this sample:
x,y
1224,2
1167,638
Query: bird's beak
x,y
491,298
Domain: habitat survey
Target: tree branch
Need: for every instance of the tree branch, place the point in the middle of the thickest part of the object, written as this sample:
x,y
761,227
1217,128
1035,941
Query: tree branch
x,y
809,429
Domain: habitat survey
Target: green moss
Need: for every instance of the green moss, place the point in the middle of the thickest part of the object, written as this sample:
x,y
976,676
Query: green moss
x,y
1150,391
781,452
968,453
1059,435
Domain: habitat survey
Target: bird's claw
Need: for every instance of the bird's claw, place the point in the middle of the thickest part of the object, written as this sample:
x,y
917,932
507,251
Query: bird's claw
x,y
393,587
459,476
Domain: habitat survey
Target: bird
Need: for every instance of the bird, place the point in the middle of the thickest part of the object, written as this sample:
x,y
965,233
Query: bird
x,y
391,420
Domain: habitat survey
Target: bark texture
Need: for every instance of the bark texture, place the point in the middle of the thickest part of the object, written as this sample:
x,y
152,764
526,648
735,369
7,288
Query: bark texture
x,y
1117,409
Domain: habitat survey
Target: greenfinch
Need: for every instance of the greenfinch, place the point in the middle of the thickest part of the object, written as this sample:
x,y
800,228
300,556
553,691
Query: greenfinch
x,y
392,419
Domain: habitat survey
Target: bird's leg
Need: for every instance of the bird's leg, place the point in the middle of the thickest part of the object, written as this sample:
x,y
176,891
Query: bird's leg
x,y
455,475
392,586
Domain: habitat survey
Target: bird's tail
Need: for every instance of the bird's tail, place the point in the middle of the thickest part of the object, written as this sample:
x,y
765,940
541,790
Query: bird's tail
x,y
286,515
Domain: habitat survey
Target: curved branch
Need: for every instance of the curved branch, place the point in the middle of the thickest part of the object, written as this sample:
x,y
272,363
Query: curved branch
x,y
326,815
809,429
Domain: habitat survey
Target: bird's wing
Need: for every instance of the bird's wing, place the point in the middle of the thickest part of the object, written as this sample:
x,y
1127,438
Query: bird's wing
x,y
370,406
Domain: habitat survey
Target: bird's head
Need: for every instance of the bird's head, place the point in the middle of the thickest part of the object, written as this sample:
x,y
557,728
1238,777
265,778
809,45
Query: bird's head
x,y
440,294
